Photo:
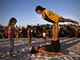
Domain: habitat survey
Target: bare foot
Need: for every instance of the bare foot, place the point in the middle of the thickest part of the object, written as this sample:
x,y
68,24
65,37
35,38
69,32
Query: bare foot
x,y
75,22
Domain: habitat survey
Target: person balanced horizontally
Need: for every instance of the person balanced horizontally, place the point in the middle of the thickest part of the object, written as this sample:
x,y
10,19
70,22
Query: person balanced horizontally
x,y
54,47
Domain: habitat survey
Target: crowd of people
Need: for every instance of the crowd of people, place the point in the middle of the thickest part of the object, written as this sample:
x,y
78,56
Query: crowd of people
x,y
39,30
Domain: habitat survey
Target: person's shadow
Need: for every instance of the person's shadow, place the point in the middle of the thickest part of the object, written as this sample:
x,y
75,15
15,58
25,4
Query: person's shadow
x,y
66,45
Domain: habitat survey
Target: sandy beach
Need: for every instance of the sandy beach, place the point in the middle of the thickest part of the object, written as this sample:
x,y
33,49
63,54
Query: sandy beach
x,y
70,46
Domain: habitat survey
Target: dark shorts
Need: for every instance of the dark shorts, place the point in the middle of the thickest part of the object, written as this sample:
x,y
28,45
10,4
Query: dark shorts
x,y
54,47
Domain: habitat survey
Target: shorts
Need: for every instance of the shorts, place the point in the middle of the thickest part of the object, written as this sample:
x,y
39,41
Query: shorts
x,y
54,47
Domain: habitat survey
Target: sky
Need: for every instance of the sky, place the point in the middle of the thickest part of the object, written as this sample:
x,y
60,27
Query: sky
x,y
24,10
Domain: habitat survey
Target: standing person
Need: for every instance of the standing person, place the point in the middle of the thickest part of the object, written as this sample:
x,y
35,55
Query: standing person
x,y
29,35
11,24
53,18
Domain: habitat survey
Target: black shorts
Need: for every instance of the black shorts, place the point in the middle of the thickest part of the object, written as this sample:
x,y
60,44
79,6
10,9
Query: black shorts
x,y
54,47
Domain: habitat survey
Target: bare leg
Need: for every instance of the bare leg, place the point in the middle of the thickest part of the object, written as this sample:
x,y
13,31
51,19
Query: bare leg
x,y
41,50
28,40
11,47
67,20
55,32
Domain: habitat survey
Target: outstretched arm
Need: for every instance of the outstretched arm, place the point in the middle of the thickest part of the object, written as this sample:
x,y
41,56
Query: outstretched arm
x,y
43,51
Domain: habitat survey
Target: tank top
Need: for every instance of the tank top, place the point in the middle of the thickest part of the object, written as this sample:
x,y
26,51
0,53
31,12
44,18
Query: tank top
x,y
10,33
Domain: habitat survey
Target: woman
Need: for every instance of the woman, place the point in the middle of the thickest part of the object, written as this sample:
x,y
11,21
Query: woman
x,y
11,24
53,18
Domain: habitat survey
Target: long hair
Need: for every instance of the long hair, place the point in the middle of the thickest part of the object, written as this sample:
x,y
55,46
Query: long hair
x,y
11,21
33,51
39,8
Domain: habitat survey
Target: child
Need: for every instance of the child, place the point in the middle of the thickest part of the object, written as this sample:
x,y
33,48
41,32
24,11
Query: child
x,y
11,24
